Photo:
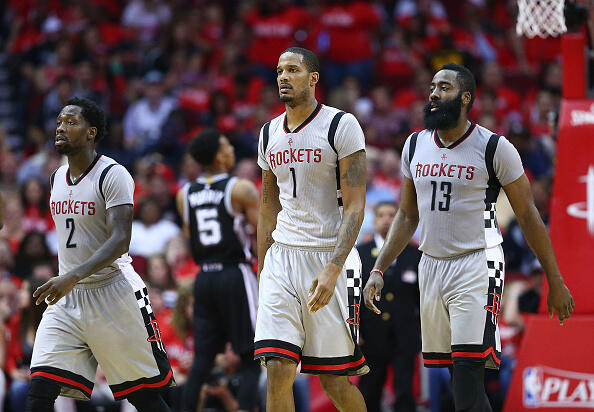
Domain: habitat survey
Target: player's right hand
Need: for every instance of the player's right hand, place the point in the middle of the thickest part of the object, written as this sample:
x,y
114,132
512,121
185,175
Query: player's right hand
x,y
55,289
373,289
559,300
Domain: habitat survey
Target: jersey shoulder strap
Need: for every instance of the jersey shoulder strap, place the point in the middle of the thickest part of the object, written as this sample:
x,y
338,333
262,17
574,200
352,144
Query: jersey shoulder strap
x,y
412,146
332,129
489,156
265,136
102,178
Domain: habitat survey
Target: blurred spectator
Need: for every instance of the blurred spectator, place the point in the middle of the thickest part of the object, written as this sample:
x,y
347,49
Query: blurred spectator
x,y
533,153
507,100
146,17
13,230
150,232
34,197
384,120
273,27
10,320
177,334
33,249
145,118
6,260
179,259
344,38
158,275
29,321
519,257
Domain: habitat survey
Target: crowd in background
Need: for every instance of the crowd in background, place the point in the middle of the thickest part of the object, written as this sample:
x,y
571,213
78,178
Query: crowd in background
x,y
165,69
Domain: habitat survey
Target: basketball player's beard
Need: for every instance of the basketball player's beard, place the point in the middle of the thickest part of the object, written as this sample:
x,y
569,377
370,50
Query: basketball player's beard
x,y
295,100
445,117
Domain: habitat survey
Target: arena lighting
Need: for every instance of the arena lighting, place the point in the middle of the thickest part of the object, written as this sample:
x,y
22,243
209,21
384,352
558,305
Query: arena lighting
x,y
585,210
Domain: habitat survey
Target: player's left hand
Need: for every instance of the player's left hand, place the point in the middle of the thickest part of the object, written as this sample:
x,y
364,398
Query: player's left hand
x,y
322,287
559,300
55,289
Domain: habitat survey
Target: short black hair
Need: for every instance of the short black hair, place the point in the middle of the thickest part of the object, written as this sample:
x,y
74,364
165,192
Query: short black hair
x,y
309,58
93,114
204,147
466,79
384,203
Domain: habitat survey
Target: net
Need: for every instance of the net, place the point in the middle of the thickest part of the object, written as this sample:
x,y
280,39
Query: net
x,y
540,18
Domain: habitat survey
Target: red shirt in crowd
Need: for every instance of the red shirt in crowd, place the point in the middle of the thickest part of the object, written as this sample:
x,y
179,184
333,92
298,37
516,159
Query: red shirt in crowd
x,y
348,27
273,34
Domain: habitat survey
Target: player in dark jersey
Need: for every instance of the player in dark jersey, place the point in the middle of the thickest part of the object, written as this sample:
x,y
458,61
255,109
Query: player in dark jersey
x,y
215,208
453,171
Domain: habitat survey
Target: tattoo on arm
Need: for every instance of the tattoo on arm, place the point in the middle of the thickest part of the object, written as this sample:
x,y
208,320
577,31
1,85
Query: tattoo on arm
x,y
347,235
353,181
356,173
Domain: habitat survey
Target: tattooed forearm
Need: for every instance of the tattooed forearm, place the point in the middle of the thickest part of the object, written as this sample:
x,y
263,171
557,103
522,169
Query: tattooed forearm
x,y
269,209
356,171
347,235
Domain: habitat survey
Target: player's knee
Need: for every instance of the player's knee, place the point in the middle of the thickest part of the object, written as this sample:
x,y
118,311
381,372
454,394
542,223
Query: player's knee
x,y
281,373
334,385
42,395
468,388
42,388
148,401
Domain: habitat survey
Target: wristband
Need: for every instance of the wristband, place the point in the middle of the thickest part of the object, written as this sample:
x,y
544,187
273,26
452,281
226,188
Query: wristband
x,y
377,271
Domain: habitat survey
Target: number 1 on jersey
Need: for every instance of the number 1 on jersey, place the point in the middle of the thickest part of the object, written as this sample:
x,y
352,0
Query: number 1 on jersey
x,y
292,169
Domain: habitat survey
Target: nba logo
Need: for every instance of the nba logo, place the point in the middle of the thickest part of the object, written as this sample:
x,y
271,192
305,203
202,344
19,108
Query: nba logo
x,y
532,385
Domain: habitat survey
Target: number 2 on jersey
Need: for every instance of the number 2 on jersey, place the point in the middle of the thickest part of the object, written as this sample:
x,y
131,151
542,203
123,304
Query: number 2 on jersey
x,y
70,225
209,227
446,191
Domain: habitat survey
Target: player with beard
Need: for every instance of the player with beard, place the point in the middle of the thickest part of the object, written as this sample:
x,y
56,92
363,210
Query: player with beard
x,y
99,311
453,171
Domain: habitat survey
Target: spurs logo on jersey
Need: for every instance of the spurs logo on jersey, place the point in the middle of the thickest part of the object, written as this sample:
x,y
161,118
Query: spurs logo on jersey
x,y
217,233
457,187
79,211
304,163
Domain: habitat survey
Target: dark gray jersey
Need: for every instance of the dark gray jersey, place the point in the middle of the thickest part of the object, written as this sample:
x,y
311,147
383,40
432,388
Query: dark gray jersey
x,y
457,187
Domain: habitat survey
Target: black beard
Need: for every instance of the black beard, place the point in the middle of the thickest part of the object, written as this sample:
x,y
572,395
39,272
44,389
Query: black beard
x,y
445,117
64,149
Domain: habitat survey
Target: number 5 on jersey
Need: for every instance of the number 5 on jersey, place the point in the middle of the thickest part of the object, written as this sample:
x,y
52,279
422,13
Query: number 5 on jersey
x,y
209,227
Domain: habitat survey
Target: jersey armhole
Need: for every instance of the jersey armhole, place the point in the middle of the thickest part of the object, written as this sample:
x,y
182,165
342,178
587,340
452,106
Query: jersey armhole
x,y
102,178
228,192
265,137
412,147
331,135
52,177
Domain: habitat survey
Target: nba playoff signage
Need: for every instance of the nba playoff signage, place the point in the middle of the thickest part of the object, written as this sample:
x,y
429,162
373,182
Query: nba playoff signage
x,y
555,366
572,208
553,388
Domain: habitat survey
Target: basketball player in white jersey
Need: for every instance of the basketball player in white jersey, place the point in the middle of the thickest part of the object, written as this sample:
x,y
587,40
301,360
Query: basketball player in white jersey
x,y
313,198
99,311
453,172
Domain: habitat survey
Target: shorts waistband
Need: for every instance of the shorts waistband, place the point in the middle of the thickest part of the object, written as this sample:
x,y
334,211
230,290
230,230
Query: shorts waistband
x,y
218,266
306,248
106,280
455,256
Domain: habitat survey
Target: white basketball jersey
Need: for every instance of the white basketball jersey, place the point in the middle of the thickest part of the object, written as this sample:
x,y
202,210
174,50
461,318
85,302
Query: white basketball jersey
x,y
457,187
79,211
305,165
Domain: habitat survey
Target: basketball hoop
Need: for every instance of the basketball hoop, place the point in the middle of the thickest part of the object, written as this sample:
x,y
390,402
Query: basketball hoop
x,y
542,18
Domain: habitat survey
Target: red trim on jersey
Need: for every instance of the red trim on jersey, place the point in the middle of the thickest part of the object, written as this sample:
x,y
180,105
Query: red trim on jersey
x,y
63,380
437,361
164,382
305,123
333,367
81,177
484,354
277,350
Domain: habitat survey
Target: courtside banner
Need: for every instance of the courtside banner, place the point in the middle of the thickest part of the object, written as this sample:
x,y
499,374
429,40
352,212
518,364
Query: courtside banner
x,y
572,208
555,369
